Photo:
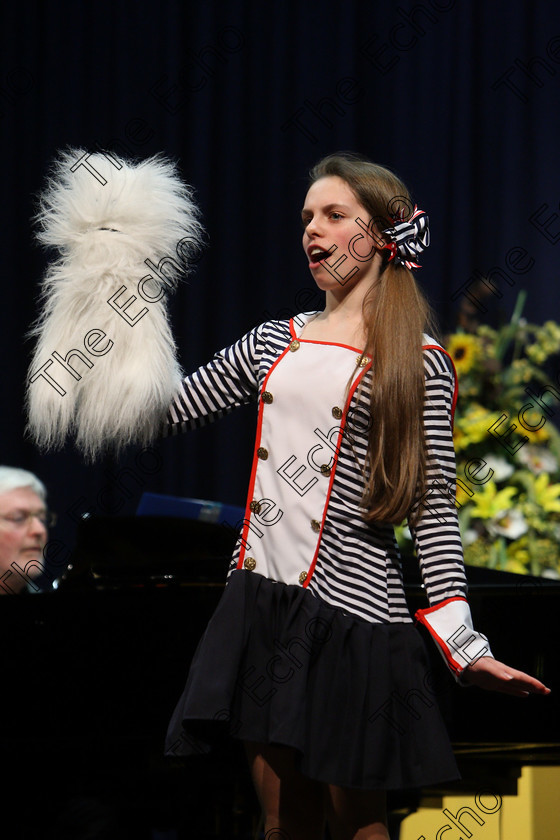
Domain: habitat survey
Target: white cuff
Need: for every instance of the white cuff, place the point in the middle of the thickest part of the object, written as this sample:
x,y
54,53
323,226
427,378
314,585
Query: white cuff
x,y
450,625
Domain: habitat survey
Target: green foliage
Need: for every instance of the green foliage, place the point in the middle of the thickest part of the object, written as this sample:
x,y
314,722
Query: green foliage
x,y
511,519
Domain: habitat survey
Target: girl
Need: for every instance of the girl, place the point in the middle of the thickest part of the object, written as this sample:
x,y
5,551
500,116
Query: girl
x,y
312,658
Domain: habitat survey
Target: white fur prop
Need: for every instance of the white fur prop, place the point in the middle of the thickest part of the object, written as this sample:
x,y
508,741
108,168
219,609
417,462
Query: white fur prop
x,y
99,372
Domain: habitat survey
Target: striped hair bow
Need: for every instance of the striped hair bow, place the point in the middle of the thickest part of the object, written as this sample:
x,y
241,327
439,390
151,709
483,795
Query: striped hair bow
x,y
408,238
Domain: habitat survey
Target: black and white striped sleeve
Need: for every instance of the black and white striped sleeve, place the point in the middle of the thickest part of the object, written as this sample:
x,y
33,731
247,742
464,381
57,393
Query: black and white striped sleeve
x,y
229,380
435,531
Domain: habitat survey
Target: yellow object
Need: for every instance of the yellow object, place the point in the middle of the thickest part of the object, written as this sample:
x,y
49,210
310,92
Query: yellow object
x,y
465,350
533,813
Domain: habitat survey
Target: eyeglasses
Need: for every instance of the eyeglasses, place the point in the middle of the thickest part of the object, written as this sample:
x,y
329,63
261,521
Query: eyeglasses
x,y
22,520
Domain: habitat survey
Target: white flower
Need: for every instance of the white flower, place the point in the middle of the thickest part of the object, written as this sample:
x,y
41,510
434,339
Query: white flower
x,y
537,459
502,468
469,536
508,523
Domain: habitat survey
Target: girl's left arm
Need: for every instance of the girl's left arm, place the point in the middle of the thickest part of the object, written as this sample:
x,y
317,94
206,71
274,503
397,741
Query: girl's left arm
x,y
434,528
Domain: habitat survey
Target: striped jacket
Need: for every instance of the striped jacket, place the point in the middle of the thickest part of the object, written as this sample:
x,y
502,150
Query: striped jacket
x,y
303,522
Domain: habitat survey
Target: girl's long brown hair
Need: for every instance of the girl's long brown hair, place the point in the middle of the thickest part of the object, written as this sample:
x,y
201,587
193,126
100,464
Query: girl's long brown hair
x,y
396,314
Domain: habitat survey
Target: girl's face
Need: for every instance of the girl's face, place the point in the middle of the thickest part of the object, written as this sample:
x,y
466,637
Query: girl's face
x,y
338,237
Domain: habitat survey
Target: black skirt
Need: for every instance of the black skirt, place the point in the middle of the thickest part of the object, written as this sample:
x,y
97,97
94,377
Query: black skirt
x,y
355,700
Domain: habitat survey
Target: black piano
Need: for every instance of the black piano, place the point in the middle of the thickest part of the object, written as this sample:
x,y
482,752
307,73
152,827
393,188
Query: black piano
x,y
92,671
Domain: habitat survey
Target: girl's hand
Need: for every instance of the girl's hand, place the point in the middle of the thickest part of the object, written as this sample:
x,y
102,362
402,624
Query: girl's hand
x,y
492,675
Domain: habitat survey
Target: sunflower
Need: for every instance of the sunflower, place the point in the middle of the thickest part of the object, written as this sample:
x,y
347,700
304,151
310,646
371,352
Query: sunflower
x,y
465,351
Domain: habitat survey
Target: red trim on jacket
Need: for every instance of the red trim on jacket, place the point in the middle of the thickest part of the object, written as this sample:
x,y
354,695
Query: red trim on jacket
x,y
327,343
419,615
333,470
440,605
248,511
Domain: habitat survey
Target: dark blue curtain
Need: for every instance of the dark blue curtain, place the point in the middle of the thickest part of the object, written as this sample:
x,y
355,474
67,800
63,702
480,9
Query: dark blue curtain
x,y
460,98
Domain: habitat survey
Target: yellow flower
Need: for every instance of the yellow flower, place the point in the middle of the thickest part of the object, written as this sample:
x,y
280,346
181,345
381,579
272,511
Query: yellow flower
x,y
473,426
516,566
521,371
547,495
489,502
536,353
527,420
518,553
465,351
539,436
552,329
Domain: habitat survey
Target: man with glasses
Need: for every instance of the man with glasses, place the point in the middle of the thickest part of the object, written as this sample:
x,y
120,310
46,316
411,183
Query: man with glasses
x,y
24,521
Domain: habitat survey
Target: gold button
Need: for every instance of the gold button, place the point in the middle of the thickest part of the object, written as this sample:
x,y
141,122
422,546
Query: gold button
x,y
337,412
267,397
294,345
255,506
362,361
249,563
315,525
325,469
262,453
303,577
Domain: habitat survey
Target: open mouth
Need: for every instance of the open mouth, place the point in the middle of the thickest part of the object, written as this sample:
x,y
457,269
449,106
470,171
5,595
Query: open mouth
x,y
318,254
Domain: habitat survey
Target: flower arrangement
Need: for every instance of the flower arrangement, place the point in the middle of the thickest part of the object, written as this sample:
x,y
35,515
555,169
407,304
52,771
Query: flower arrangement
x,y
507,446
